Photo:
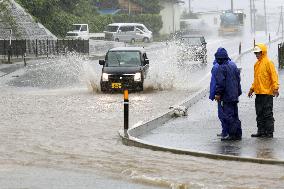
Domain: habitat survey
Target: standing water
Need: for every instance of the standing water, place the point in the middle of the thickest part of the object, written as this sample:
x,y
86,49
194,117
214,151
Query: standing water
x,y
59,131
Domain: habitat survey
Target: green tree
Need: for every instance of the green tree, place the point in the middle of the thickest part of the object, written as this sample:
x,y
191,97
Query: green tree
x,y
5,15
59,15
68,5
150,6
84,9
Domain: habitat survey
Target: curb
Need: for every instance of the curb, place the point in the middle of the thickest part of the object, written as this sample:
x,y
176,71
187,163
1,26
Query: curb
x,y
132,141
129,137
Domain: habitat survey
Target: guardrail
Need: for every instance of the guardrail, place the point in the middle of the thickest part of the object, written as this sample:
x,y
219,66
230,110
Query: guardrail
x,y
20,48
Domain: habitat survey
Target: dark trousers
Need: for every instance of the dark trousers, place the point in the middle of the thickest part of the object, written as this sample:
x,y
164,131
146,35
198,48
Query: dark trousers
x,y
221,116
264,113
229,117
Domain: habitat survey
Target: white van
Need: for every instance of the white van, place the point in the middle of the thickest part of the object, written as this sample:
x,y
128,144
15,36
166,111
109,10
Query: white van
x,y
79,31
128,32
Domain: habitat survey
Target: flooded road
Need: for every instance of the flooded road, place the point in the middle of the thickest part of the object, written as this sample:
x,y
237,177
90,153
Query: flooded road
x,y
57,130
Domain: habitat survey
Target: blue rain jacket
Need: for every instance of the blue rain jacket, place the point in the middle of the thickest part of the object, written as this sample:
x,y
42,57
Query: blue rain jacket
x,y
221,53
213,80
228,82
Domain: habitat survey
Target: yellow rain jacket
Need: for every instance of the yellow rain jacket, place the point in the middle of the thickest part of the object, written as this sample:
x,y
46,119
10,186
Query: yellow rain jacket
x,y
265,75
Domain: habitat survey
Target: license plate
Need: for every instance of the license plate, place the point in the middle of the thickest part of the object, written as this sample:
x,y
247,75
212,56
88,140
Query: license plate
x,y
116,85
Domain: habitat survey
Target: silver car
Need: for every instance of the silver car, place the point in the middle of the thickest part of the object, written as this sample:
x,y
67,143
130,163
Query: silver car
x,y
128,32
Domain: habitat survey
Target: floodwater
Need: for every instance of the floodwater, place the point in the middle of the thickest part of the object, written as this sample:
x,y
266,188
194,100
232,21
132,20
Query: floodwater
x,y
57,130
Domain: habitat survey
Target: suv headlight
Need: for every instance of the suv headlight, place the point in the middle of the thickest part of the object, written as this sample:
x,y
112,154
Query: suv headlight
x,y
137,77
105,77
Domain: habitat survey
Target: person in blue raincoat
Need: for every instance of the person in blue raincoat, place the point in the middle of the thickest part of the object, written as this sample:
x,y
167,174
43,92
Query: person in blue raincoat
x,y
228,90
212,97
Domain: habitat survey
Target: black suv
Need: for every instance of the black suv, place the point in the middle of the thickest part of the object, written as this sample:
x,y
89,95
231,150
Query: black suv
x,y
124,68
192,47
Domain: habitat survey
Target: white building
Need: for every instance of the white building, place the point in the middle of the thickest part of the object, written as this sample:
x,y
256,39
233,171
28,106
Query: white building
x,y
171,13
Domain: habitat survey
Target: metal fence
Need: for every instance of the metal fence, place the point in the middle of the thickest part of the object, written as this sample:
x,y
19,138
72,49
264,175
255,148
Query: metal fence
x,y
281,55
20,48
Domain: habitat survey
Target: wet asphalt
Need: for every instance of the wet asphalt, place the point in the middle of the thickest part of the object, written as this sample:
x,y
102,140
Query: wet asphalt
x,y
197,132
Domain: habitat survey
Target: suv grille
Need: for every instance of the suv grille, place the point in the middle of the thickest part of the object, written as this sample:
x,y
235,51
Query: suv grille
x,y
121,78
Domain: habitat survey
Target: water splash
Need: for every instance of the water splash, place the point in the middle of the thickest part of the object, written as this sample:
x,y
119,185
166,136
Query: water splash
x,y
75,70
55,72
167,72
92,75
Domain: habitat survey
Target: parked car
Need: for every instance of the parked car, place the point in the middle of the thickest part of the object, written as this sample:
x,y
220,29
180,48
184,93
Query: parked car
x,y
192,47
124,68
81,31
128,32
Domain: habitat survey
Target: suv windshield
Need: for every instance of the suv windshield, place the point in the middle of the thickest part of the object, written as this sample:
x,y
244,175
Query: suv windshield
x,y
191,41
123,58
111,28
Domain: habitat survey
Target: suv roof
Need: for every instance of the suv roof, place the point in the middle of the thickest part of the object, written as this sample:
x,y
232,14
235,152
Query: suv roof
x,y
191,36
141,49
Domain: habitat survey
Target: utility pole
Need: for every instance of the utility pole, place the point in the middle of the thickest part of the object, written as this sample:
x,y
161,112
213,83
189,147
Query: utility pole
x,y
250,8
174,17
281,23
265,17
189,6
254,11
232,6
129,7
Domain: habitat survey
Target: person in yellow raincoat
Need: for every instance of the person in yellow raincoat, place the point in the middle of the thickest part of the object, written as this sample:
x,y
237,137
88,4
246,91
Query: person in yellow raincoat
x,y
265,86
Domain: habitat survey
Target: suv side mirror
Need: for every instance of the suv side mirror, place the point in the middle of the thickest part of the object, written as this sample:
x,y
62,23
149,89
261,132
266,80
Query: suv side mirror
x,y
102,62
